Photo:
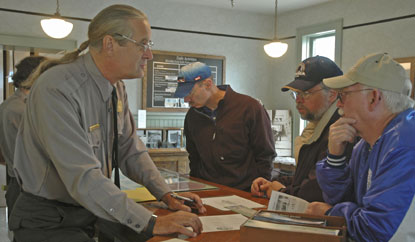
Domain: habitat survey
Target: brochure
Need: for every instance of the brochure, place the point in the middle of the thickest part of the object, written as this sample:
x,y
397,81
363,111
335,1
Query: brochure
x,y
286,203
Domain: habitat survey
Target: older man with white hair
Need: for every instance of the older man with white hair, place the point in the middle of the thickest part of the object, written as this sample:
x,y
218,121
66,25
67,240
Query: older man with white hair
x,y
375,190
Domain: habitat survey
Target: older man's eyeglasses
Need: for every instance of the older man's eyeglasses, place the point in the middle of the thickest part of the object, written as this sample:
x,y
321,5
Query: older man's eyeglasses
x,y
341,95
304,95
145,47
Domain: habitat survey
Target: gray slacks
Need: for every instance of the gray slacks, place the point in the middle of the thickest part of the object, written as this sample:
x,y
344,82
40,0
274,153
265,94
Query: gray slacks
x,y
36,219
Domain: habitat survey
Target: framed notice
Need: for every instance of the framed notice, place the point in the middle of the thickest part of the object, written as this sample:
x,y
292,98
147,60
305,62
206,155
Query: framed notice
x,y
281,129
160,79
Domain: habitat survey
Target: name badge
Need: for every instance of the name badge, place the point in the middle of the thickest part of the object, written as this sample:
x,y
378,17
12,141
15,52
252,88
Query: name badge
x,y
93,127
119,106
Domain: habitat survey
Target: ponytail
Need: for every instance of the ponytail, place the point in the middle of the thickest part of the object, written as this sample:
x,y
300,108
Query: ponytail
x,y
45,65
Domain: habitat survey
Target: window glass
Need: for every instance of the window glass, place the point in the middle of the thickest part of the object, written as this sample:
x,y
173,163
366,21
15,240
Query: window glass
x,y
324,46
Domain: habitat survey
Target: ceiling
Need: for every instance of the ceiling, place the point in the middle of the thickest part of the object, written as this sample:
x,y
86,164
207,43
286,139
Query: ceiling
x,y
256,6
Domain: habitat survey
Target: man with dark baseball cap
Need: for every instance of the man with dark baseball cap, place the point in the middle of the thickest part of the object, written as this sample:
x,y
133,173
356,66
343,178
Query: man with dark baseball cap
x,y
316,104
311,72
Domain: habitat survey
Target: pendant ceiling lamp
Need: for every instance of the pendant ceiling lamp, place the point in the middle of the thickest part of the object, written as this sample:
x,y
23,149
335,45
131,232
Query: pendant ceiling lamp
x,y
56,27
276,48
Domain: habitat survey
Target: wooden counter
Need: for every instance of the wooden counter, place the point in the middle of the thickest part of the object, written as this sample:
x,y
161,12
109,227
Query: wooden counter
x,y
228,236
174,159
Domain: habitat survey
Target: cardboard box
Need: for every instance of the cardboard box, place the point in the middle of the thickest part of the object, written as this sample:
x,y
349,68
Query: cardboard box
x,y
281,231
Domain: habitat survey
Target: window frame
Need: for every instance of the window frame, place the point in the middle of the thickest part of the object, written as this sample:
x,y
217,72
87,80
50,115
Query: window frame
x,y
313,31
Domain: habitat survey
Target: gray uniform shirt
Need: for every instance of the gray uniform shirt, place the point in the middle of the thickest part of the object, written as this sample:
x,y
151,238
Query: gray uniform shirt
x,y
11,112
64,145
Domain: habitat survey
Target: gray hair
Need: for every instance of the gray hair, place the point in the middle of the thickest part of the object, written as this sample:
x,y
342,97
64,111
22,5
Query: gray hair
x,y
113,20
398,102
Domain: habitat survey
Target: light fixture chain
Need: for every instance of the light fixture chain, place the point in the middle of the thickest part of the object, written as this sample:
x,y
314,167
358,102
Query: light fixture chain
x,y
275,19
57,7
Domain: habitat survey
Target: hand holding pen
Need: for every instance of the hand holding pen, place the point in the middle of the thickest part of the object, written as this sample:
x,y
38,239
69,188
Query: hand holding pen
x,y
186,201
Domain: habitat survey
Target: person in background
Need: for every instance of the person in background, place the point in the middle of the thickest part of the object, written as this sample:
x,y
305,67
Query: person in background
x,y
374,190
316,104
76,128
11,112
228,135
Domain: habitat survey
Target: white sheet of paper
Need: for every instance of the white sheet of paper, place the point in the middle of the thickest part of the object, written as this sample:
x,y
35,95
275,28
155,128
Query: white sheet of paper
x,y
222,222
225,201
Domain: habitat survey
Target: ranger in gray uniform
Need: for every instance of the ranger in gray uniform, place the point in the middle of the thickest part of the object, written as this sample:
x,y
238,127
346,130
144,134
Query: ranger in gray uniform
x,y
11,112
64,146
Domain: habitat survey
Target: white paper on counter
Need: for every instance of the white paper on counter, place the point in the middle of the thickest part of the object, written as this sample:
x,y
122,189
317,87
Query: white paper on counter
x,y
222,222
225,201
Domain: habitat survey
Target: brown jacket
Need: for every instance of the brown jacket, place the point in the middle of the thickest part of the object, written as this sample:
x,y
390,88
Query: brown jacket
x,y
236,147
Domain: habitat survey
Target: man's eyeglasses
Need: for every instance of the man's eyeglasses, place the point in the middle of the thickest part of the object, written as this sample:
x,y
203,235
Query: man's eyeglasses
x,y
342,94
304,95
144,46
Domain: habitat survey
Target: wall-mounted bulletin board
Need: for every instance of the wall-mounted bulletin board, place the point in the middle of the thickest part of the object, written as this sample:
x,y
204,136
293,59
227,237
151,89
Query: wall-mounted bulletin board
x,y
160,79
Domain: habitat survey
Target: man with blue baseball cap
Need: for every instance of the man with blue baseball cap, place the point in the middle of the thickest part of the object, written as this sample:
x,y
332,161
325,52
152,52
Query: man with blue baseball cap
x,y
189,76
228,135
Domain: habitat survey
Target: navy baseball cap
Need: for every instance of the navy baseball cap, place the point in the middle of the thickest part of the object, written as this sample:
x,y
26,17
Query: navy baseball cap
x,y
189,75
311,72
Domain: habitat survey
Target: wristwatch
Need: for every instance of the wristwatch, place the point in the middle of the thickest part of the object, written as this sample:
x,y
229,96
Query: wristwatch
x,y
150,226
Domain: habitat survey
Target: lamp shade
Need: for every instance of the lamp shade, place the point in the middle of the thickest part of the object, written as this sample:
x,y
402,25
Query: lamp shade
x,y
276,49
56,28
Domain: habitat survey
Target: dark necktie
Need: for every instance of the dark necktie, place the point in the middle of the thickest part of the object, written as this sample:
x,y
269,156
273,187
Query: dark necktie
x,y
115,143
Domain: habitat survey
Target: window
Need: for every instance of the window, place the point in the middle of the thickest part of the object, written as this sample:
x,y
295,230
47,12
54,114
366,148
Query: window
x,y
322,39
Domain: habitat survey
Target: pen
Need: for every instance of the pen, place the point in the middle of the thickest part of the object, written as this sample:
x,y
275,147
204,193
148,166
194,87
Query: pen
x,y
186,199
